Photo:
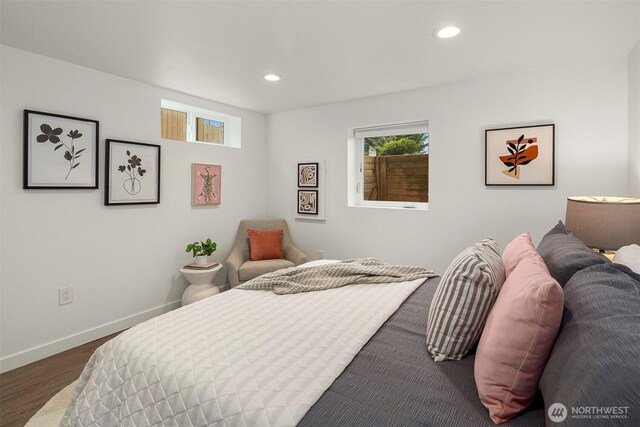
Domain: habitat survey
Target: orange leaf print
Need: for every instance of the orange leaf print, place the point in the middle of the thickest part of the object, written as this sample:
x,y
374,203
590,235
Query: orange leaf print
x,y
524,158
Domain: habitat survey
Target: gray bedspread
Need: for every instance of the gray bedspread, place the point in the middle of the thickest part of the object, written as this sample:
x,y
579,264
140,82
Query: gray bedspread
x,y
393,381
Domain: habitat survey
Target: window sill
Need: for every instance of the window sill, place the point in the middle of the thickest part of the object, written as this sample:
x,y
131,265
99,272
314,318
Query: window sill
x,y
210,144
414,207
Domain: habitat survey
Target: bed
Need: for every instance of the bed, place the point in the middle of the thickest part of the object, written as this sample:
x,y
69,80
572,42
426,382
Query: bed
x,y
355,356
243,357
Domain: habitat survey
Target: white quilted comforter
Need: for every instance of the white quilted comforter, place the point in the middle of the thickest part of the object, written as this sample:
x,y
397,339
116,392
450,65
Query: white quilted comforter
x,y
240,358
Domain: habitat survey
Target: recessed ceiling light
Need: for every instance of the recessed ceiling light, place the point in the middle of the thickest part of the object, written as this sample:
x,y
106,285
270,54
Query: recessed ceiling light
x,y
447,32
272,77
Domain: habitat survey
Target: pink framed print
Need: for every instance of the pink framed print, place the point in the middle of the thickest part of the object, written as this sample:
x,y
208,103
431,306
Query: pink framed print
x,y
207,183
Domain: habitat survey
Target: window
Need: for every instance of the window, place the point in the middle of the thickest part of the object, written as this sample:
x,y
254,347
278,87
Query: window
x,y
389,166
183,122
209,131
174,124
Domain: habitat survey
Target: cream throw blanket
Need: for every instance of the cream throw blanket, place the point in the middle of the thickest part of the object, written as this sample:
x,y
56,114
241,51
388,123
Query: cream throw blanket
x,y
350,272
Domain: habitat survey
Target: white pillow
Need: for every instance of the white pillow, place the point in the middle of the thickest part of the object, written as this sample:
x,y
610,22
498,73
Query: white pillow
x,y
629,256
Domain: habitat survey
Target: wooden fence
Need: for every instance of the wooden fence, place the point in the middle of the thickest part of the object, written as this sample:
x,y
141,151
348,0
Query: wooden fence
x,y
403,178
206,132
174,124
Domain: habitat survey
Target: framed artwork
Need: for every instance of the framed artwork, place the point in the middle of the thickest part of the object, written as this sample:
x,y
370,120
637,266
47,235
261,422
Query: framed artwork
x,y
60,151
520,155
308,175
132,173
207,183
308,202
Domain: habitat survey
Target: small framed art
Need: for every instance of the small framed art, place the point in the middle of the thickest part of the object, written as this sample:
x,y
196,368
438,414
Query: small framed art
x,y
207,184
132,173
308,175
520,155
308,202
60,152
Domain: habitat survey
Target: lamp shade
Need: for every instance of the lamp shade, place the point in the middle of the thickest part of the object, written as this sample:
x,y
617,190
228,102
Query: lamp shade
x,y
604,222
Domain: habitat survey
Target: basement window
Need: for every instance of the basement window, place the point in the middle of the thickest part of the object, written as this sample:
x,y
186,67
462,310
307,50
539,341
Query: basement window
x,y
389,166
182,122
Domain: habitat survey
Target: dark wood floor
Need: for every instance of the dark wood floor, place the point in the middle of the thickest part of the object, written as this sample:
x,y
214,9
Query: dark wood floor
x,y
25,390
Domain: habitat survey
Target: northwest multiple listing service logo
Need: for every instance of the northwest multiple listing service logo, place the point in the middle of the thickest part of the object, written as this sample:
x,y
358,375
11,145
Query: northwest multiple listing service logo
x,y
558,412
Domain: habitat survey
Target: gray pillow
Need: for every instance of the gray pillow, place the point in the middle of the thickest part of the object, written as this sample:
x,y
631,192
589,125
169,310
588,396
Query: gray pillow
x,y
462,302
565,254
595,359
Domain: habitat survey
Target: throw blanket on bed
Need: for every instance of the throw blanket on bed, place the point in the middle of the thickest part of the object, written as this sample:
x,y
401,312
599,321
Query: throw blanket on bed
x,y
350,272
235,359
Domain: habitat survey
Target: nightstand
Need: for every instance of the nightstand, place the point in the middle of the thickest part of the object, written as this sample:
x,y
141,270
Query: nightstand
x,y
201,285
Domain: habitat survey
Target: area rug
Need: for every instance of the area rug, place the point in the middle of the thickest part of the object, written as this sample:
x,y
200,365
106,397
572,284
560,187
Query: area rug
x,y
52,411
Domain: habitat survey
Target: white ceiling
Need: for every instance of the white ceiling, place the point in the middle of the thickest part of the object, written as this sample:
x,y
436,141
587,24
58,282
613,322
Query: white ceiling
x,y
327,51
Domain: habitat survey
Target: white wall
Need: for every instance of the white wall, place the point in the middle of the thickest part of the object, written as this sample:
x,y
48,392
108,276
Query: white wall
x,y
634,120
587,101
121,261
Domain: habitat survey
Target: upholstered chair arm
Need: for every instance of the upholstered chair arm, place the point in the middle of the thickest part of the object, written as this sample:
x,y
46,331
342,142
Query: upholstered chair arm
x,y
235,260
294,255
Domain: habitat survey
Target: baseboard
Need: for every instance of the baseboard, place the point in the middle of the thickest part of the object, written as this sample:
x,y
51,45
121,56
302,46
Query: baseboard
x,y
34,354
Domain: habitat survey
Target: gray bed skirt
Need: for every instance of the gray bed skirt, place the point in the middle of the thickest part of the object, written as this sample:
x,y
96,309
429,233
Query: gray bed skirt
x,y
394,382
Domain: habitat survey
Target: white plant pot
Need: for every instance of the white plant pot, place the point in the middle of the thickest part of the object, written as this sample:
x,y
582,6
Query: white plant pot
x,y
201,259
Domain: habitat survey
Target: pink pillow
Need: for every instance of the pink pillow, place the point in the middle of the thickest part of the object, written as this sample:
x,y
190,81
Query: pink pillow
x,y
517,339
519,248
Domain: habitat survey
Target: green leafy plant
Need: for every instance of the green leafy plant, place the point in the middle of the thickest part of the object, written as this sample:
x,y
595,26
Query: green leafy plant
x,y
202,248
400,146
377,142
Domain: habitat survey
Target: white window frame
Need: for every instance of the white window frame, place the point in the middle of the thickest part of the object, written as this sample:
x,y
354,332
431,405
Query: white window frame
x,y
232,124
355,154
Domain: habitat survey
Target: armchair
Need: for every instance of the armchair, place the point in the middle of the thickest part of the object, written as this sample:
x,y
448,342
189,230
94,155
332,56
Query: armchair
x,y
239,266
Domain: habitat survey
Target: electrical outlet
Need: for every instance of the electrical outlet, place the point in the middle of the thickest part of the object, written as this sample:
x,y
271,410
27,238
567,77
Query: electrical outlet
x,y
65,296
321,254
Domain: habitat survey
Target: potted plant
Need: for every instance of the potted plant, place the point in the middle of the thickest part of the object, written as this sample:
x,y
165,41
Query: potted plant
x,y
201,250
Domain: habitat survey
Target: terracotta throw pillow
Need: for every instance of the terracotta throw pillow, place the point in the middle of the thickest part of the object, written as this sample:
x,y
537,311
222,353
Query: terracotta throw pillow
x,y
265,244
517,339
519,248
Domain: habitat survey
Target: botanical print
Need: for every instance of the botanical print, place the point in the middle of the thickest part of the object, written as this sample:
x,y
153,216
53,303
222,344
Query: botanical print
x,y
308,202
51,135
521,155
133,173
206,184
527,153
132,185
60,151
307,174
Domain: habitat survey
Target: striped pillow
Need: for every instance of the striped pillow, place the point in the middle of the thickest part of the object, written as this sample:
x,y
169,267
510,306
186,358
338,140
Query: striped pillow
x,y
462,302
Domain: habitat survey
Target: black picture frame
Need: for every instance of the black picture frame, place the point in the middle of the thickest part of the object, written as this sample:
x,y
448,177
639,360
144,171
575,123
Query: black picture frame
x,y
308,175
308,204
125,159
501,146
49,167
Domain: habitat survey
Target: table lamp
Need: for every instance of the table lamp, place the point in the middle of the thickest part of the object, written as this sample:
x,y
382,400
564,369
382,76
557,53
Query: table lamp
x,y
604,223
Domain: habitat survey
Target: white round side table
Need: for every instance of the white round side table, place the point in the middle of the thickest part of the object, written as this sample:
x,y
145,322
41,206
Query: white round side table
x,y
200,284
